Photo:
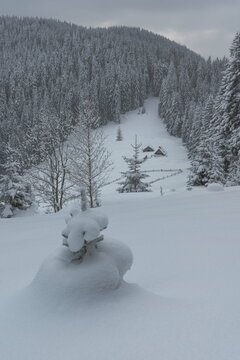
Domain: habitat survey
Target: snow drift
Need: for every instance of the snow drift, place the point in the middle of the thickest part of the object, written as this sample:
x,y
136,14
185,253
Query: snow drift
x,y
62,280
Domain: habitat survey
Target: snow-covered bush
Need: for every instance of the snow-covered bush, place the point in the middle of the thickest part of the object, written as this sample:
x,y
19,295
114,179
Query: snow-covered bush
x,y
199,175
15,193
83,230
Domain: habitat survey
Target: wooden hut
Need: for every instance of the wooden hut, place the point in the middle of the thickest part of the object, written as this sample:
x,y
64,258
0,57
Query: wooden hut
x,y
160,152
148,149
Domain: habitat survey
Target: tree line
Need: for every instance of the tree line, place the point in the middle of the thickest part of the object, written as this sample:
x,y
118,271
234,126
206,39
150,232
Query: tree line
x,y
208,120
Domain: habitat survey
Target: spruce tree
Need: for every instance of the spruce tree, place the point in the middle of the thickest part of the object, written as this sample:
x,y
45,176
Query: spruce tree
x,y
134,176
201,169
226,122
232,111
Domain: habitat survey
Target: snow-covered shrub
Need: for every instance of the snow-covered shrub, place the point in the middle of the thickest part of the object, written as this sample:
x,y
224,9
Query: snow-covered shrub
x,y
15,193
199,175
83,229
86,265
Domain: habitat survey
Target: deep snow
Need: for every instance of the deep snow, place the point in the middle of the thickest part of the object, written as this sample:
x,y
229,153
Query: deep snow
x,y
181,299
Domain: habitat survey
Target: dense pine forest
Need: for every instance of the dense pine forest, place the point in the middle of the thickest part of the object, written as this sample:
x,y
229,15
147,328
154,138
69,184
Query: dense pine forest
x,y
51,71
50,68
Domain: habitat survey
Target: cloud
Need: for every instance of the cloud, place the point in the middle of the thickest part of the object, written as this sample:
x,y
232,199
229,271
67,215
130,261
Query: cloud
x,y
206,26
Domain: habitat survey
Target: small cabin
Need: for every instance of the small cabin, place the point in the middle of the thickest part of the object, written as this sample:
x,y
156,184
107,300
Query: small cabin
x,y
160,152
148,149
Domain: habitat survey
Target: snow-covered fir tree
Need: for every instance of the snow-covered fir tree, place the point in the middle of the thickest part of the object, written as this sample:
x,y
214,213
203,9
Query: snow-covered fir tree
x,y
217,158
184,97
15,191
201,158
231,113
133,178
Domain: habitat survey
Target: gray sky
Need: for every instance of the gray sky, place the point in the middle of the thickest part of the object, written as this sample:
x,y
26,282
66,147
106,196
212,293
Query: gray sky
x,y
205,26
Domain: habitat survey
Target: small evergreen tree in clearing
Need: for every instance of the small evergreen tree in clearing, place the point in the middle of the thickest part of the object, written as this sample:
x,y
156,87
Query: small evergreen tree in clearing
x,y
119,135
15,192
134,176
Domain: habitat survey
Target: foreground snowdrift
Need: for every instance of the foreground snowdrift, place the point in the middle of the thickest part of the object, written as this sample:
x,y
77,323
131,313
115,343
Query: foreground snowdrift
x,y
86,265
62,281
186,249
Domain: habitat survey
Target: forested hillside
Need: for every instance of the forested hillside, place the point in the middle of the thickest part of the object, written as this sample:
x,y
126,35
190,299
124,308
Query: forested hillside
x,y
50,69
209,122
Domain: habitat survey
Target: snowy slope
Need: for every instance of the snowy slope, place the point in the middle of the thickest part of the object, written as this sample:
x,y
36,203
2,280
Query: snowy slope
x,y
181,299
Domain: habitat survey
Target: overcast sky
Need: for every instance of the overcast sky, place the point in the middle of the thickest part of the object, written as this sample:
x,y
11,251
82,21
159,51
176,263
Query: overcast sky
x,y
206,26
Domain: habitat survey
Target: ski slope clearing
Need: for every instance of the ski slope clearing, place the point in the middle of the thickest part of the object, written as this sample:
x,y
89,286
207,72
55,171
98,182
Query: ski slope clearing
x,y
180,300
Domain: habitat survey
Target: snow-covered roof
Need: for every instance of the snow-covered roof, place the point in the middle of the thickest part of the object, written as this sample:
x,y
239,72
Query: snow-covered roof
x,y
148,148
160,151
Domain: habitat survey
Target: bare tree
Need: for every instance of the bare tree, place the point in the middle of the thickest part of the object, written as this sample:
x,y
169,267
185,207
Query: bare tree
x,y
90,163
50,178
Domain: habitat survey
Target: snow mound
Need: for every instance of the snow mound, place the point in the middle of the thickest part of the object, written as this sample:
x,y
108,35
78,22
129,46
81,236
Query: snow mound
x,y
215,187
62,280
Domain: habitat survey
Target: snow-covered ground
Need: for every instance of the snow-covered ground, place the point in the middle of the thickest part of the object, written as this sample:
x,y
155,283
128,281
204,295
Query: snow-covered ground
x,y
181,299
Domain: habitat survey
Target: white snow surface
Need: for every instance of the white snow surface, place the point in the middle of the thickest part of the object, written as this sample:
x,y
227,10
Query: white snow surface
x,y
181,298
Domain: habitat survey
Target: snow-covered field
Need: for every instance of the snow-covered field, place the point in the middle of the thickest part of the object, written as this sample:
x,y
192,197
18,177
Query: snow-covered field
x,y
181,299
